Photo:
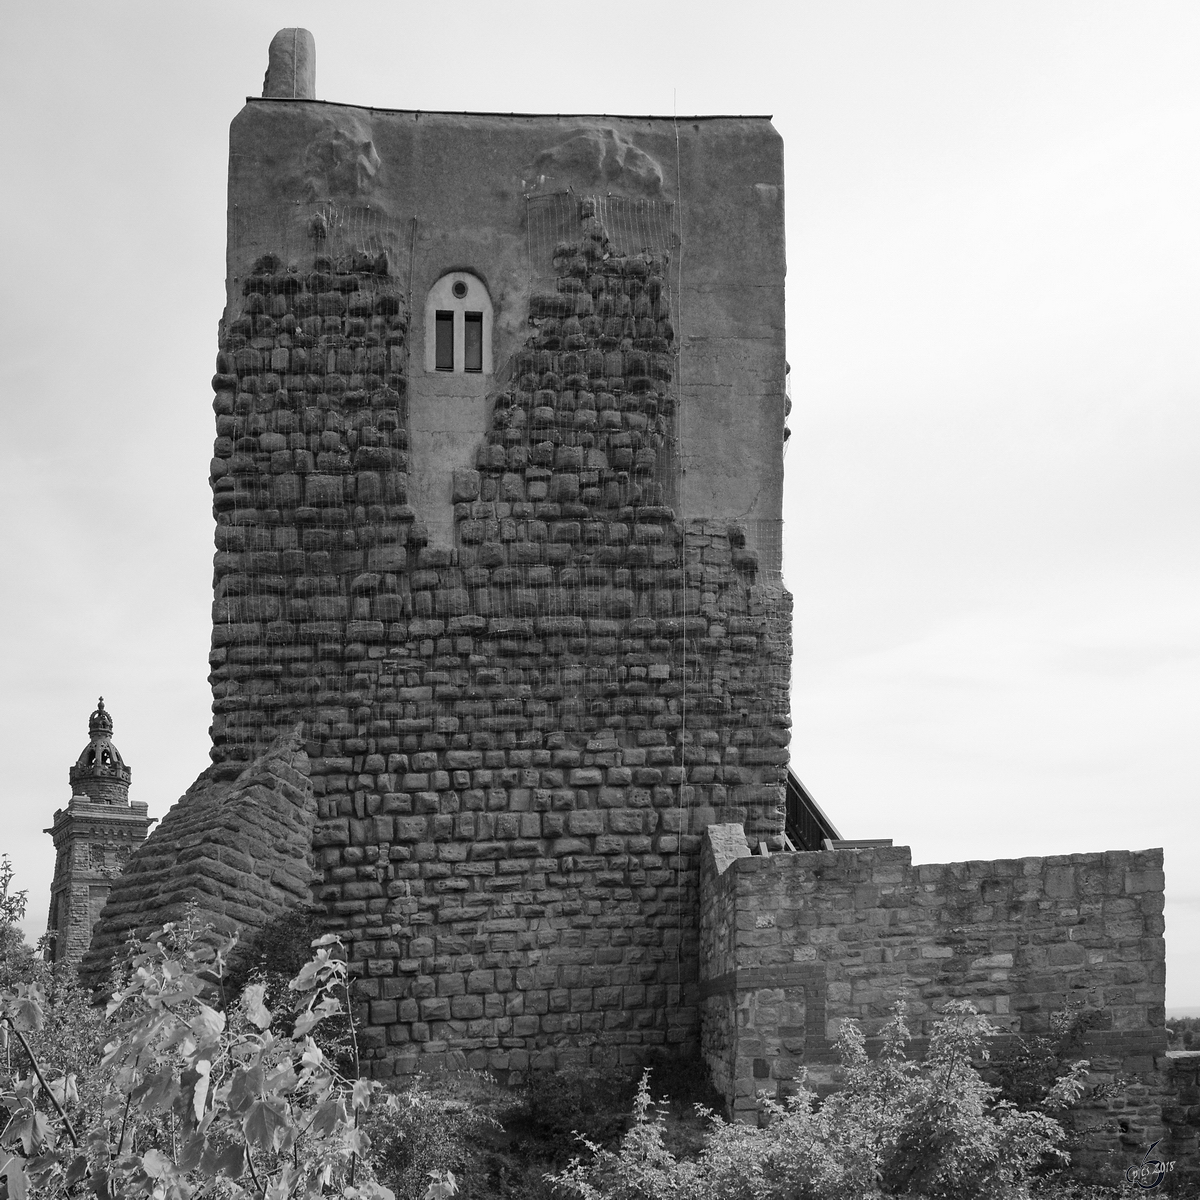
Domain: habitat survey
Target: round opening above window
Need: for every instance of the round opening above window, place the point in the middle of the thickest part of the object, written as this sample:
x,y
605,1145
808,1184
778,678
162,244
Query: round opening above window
x,y
459,289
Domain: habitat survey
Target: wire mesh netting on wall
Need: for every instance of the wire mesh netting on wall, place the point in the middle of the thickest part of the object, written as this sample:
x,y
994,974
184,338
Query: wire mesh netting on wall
x,y
350,237
530,723
767,533
572,604
630,227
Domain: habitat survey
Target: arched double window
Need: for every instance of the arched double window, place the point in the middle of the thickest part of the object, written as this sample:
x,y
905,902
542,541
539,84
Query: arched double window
x,y
458,325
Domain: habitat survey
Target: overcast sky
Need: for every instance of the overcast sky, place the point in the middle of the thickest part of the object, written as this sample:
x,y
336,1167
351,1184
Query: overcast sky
x,y
993,300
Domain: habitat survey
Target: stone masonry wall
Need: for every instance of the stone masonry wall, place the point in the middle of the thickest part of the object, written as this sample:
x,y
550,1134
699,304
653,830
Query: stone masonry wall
x,y
794,944
237,848
515,740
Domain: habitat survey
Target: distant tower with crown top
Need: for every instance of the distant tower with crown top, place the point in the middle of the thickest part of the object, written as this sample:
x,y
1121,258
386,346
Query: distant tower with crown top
x,y
93,838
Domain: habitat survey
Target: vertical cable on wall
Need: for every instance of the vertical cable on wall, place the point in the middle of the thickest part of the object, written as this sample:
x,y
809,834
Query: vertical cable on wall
x,y
683,575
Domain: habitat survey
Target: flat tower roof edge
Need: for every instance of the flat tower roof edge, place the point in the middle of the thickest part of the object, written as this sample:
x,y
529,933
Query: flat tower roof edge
x,y
450,112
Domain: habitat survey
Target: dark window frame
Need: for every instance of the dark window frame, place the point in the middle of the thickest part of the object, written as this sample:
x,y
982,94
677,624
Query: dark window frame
x,y
473,346
443,325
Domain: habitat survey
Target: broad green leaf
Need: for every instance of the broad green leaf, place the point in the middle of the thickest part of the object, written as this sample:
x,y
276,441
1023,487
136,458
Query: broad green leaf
x,y
328,1117
306,1022
65,1090
45,1180
376,1191
245,1085
265,1123
362,1093
98,1179
41,1133
252,1005
156,1164
281,1188
13,1171
200,1093
40,1169
26,1014
231,1162
156,1092
208,1025
306,979
282,1079
192,1151
20,1128
77,1170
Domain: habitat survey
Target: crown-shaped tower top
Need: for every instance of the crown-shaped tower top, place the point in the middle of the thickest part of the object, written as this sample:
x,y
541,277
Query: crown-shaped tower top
x,y
100,772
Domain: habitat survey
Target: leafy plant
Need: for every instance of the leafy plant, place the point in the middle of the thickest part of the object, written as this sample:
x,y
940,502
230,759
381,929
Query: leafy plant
x,y
195,1095
12,903
897,1127
588,1101
422,1134
1045,1071
278,953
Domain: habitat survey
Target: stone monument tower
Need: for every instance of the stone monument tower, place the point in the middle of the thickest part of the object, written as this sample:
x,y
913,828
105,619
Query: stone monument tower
x,y
93,838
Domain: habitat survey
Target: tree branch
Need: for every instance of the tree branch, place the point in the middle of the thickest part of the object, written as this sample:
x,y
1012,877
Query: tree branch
x,y
37,1070
262,1191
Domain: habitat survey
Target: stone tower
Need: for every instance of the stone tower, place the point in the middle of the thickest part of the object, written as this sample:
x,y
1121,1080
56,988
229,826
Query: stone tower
x,y
497,486
93,838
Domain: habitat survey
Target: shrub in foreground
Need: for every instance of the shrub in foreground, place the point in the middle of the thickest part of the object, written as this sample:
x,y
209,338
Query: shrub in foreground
x,y
897,1127
193,1096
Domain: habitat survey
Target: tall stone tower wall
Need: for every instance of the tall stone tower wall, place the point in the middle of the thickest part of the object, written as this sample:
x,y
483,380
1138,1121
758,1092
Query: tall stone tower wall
x,y
530,618
499,411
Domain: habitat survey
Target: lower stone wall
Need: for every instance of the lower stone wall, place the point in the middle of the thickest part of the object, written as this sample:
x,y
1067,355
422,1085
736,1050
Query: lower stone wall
x,y
792,945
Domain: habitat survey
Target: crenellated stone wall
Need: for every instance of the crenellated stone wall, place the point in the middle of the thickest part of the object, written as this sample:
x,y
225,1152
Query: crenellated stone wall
x,y
793,945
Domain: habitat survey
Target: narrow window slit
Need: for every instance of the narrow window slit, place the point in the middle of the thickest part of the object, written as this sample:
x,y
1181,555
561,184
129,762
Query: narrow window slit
x,y
473,341
444,351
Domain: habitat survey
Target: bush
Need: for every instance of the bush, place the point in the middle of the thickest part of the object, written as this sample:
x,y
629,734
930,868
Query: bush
x,y
423,1134
192,1094
594,1103
277,954
1032,1069
897,1127
18,963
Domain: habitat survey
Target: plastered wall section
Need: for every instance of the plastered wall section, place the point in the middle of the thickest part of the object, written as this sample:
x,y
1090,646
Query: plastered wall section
x,y
794,944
